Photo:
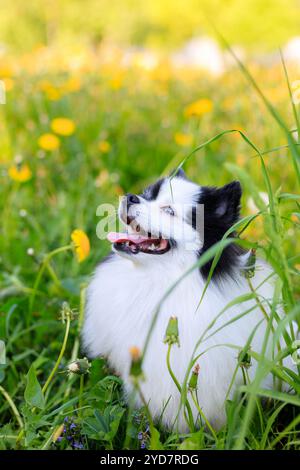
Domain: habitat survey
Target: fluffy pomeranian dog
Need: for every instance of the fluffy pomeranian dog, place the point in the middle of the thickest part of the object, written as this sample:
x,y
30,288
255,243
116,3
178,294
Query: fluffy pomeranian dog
x,y
163,239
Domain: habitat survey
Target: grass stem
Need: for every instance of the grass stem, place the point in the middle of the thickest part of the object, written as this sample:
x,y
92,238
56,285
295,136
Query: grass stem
x,y
13,406
200,411
190,419
62,351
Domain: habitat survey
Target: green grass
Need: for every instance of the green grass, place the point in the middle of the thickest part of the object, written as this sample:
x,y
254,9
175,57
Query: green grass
x,y
246,136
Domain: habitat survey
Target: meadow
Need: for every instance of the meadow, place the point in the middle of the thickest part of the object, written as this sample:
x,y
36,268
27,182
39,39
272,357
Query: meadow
x,y
76,132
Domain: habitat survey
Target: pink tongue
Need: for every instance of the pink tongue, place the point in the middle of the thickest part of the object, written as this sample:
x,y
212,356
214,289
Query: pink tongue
x,y
115,237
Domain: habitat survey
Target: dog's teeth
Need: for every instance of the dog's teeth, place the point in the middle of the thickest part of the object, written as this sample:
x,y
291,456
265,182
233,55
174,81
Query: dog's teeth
x,y
152,247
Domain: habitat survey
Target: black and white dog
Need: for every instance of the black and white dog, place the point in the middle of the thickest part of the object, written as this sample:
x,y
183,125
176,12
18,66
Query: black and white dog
x,y
162,241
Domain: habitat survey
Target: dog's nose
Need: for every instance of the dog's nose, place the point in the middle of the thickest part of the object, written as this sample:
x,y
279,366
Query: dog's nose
x,y
128,201
132,199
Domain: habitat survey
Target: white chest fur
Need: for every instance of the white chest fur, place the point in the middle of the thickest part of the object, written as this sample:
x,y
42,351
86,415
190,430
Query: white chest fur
x,y
122,298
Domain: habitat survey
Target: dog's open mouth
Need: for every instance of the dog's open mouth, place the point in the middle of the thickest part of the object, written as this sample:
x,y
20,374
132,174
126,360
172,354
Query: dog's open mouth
x,y
134,243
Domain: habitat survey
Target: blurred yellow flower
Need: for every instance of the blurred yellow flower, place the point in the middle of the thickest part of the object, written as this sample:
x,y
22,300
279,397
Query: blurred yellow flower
x,y
116,83
162,73
294,218
81,244
199,107
104,146
71,85
49,142
6,71
20,173
185,140
53,94
44,85
63,126
8,83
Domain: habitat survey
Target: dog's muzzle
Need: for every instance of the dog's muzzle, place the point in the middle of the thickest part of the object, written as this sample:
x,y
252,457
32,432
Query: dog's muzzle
x,y
128,201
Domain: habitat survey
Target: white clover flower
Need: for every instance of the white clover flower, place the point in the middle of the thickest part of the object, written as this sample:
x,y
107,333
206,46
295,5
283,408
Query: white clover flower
x,y
23,213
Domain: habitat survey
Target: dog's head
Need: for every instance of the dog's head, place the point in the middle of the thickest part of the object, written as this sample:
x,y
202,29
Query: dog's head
x,y
175,214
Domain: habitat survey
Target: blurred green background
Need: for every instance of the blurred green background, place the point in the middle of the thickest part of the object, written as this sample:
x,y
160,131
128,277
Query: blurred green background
x,y
256,24
140,85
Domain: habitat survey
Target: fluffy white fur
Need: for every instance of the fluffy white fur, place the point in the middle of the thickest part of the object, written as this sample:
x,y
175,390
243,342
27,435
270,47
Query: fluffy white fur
x,y
125,291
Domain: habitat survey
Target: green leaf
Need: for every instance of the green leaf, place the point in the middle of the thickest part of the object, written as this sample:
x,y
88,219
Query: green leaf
x,y
191,443
103,421
275,395
116,414
289,196
104,426
155,443
7,437
33,392
91,429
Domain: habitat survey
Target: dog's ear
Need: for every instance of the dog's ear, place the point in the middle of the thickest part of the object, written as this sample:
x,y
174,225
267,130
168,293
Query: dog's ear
x,y
223,204
178,173
229,201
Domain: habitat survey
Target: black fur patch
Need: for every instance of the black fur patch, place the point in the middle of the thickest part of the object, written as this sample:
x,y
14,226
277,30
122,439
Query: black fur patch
x,y
152,191
221,211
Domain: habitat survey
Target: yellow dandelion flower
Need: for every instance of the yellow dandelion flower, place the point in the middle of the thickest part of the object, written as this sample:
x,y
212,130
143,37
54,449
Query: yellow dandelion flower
x,y
104,146
49,142
81,244
199,107
184,140
20,173
294,218
63,126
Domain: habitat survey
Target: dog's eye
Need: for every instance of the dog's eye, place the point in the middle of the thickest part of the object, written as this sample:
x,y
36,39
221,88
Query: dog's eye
x,y
168,210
